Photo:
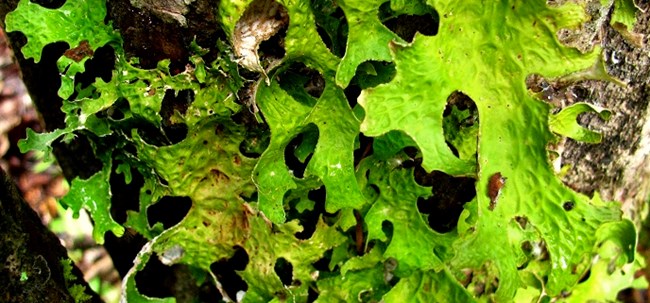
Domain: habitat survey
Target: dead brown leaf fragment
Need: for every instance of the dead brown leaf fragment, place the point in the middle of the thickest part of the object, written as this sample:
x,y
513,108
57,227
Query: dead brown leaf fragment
x,y
78,53
261,21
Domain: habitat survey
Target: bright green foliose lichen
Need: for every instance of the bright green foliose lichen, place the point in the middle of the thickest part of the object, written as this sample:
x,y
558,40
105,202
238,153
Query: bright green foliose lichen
x,y
527,238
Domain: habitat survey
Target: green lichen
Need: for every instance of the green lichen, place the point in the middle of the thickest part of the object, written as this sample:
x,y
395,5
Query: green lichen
x,y
23,276
531,233
78,292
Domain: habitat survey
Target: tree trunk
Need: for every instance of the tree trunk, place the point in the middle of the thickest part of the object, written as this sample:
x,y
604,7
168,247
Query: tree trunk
x,y
32,255
618,168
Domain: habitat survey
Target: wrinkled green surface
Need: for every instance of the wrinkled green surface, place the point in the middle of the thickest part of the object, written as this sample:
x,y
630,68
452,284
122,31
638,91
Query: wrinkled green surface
x,y
429,287
332,161
62,25
533,235
513,130
94,195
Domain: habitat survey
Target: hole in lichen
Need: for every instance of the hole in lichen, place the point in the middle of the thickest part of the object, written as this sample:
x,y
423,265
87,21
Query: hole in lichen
x,y
101,64
308,211
208,292
332,26
250,199
568,205
149,133
323,264
126,198
352,93
51,4
522,221
304,84
416,17
175,101
158,280
364,150
154,270
460,121
284,270
174,106
300,150
169,210
387,228
312,294
450,194
224,270
255,143
117,110
368,74
541,88
273,48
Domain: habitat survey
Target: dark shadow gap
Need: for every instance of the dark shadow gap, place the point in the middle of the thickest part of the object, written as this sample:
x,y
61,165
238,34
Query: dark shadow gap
x,y
51,4
450,194
460,120
224,270
425,21
302,83
255,143
169,210
300,150
309,218
174,104
284,270
331,24
368,74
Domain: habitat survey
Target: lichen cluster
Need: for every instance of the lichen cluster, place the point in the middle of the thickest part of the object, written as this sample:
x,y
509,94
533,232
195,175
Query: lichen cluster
x,y
524,236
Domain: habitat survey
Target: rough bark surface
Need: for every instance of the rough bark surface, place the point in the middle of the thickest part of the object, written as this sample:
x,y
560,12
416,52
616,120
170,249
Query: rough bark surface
x,y
618,168
31,255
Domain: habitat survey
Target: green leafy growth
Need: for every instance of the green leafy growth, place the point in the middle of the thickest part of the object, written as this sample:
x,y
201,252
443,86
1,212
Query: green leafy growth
x,y
397,204
40,142
616,266
624,11
94,194
80,23
143,89
389,144
498,46
564,123
366,285
209,168
624,18
484,53
367,38
78,292
332,160
429,286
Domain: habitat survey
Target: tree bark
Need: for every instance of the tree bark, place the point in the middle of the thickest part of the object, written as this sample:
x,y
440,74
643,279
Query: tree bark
x,y
31,254
619,167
